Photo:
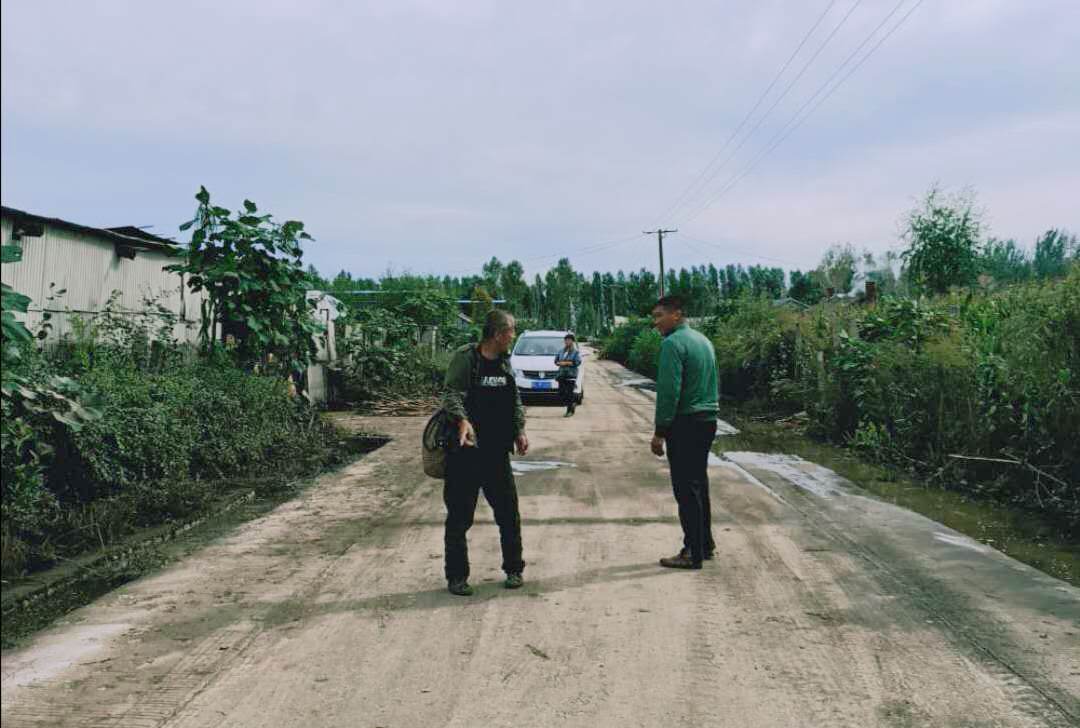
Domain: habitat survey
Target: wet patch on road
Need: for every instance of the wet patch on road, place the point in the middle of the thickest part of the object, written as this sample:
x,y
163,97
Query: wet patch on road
x,y
722,461
524,467
725,429
962,542
803,474
641,383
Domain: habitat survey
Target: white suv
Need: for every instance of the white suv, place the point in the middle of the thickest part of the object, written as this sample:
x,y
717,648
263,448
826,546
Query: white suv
x,y
533,360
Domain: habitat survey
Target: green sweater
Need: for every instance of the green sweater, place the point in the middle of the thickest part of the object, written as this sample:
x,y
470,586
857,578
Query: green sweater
x,y
687,381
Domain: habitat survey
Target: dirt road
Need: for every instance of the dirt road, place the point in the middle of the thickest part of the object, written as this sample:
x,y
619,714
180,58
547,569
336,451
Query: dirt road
x,y
822,608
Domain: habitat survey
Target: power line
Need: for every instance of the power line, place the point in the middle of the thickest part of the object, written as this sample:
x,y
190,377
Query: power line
x,y
727,248
798,118
783,94
701,175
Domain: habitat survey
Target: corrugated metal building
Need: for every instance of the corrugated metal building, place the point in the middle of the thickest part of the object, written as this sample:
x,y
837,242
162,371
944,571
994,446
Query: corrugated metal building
x,y
89,264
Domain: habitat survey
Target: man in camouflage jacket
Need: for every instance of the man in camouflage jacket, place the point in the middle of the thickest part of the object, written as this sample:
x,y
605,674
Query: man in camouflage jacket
x,y
484,406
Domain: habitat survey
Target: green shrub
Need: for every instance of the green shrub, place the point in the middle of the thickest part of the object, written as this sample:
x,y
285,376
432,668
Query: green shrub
x,y
617,345
645,352
393,371
754,343
986,375
167,444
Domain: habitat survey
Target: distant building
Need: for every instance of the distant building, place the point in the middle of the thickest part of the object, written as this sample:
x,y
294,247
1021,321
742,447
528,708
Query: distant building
x,y
88,264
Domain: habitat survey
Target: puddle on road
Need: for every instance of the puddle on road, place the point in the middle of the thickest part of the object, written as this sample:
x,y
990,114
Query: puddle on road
x,y
1027,536
56,652
962,542
523,467
804,474
741,472
646,384
725,429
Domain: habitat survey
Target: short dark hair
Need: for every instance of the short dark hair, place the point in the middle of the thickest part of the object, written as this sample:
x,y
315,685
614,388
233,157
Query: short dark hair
x,y
570,336
497,321
671,303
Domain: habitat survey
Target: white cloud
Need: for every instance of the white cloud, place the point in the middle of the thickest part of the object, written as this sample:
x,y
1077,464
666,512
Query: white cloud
x,y
425,131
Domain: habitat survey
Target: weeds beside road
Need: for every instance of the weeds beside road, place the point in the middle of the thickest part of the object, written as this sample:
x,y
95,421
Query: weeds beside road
x,y
1023,535
993,377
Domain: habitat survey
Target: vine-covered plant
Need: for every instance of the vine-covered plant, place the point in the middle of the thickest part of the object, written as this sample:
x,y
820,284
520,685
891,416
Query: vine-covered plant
x,y
251,269
57,397
32,406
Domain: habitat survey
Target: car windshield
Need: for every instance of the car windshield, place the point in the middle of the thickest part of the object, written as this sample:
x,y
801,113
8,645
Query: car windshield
x,y
538,346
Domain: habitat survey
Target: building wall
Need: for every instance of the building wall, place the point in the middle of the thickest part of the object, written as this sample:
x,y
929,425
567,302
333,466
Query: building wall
x,y
89,270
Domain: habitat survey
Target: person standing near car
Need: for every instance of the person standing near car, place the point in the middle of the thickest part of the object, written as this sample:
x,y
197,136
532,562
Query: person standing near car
x,y
568,360
485,408
687,402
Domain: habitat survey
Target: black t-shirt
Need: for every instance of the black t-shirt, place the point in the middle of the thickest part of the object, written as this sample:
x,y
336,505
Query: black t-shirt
x,y
490,405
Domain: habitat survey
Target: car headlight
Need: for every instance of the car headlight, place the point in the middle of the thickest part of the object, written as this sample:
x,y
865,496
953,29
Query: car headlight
x,y
519,373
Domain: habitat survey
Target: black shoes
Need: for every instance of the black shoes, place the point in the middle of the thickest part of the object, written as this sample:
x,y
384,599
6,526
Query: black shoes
x,y
708,554
680,561
460,588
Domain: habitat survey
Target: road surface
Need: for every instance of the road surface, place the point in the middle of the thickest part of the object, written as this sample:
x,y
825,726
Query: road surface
x,y
823,607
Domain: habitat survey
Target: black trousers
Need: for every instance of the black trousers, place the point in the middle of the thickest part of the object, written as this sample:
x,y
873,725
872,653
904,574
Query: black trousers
x,y
468,471
688,444
566,392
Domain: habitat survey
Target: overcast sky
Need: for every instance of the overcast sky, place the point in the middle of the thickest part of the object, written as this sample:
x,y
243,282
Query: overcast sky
x,y
429,135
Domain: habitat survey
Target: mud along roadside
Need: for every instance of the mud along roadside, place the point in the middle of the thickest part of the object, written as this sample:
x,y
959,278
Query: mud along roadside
x,y
174,628
34,602
1022,535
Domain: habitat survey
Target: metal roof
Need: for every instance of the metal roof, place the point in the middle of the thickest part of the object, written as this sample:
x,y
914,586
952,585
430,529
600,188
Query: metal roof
x,y
128,235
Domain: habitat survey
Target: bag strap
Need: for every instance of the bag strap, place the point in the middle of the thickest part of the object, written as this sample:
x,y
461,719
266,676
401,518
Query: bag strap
x,y
474,376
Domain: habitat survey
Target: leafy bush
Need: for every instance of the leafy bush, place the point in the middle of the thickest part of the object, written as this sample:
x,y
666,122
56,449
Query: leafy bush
x,y
387,371
250,268
645,352
943,242
35,403
993,375
618,344
754,347
168,442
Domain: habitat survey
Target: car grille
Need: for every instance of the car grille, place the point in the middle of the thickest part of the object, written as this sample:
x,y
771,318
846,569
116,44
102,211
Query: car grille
x,y
533,374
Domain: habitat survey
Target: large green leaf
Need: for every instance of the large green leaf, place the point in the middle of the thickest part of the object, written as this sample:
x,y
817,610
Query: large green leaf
x,y
10,253
14,301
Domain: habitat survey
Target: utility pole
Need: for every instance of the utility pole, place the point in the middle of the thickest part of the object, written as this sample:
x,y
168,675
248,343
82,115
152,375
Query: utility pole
x,y
660,242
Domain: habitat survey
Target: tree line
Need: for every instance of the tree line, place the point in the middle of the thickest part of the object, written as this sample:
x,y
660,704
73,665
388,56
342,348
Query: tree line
x,y
944,246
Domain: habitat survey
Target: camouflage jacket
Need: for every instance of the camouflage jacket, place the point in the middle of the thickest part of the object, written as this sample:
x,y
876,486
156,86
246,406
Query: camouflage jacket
x,y
461,376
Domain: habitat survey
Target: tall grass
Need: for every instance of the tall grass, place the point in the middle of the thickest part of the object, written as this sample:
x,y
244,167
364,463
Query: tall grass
x,y
979,390
175,433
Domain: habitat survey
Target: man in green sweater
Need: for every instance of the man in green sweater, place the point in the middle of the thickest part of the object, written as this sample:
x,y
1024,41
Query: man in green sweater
x,y
686,409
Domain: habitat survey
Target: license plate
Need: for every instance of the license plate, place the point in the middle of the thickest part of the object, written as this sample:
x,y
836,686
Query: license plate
x,y
542,385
